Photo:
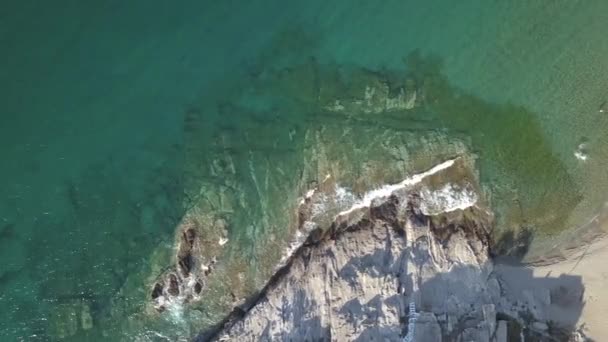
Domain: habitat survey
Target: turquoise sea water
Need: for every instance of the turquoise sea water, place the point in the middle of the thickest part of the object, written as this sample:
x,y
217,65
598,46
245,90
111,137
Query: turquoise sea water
x,y
117,115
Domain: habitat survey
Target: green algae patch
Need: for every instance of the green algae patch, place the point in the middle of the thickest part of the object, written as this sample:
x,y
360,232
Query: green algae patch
x,y
530,185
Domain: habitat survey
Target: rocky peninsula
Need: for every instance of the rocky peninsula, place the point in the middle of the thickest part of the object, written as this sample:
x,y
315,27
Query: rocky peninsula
x,y
365,216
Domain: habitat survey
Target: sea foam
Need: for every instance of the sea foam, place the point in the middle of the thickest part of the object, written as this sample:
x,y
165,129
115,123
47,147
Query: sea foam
x,y
387,190
448,198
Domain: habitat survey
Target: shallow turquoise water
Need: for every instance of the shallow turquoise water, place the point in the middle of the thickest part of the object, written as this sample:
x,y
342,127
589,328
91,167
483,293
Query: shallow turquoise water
x,y
94,100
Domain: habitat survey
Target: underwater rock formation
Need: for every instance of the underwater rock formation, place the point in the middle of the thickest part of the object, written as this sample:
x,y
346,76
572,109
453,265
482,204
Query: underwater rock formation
x,y
70,318
376,96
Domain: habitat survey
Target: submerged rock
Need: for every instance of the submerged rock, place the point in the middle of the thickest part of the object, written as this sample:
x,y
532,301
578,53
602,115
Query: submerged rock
x,y
375,97
70,318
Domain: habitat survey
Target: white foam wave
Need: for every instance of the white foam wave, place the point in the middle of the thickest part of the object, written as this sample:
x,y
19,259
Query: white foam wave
x,y
309,194
297,241
387,190
344,197
580,155
176,309
446,199
322,204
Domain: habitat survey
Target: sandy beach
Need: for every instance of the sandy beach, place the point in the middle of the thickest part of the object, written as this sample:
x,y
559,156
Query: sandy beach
x,y
590,264
574,272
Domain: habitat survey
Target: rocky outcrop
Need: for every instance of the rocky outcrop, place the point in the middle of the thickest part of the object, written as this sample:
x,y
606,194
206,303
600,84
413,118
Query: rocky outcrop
x,y
349,130
183,282
391,271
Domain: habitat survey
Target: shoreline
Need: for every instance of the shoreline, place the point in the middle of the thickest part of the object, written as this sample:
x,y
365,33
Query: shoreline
x,y
586,259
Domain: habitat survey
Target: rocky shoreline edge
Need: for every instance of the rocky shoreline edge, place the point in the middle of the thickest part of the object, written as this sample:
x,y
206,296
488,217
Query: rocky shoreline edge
x,y
393,270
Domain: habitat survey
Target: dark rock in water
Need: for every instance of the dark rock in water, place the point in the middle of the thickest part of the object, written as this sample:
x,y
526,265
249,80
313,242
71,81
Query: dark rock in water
x,y
185,263
173,285
198,287
157,291
189,236
183,282
185,258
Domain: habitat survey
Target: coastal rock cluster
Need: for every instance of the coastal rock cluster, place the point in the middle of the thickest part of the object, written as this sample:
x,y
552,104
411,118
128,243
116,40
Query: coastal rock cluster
x,y
307,154
180,282
393,271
